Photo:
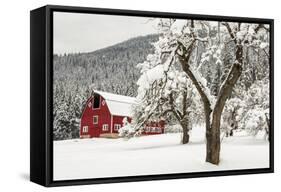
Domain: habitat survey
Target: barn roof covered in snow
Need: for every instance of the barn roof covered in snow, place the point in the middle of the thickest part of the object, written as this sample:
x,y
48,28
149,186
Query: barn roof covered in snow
x,y
119,105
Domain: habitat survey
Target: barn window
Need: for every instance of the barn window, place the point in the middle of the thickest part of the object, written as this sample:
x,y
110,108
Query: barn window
x,y
105,127
117,127
147,129
95,119
96,104
85,129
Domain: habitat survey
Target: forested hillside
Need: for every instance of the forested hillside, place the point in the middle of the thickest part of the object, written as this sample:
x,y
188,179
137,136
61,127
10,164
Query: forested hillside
x,y
112,69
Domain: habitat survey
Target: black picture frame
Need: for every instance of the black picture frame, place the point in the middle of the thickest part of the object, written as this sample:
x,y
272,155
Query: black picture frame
x,y
41,57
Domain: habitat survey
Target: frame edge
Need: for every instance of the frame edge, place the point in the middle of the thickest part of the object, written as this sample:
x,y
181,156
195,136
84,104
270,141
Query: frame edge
x,y
37,96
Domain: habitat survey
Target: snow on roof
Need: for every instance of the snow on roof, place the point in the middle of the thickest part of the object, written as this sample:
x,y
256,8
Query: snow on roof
x,y
118,104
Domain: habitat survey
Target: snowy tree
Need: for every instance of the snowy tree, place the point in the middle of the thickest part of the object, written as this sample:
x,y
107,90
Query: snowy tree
x,y
233,113
180,37
163,92
256,112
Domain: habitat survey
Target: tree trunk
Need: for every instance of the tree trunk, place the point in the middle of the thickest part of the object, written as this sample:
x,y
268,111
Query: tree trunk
x,y
181,117
185,131
208,111
185,136
213,143
213,125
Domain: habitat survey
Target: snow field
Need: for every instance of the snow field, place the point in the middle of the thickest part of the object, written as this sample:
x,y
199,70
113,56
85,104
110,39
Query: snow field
x,y
156,154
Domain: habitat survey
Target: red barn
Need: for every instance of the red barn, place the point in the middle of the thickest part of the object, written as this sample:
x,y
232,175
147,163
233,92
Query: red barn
x,y
103,116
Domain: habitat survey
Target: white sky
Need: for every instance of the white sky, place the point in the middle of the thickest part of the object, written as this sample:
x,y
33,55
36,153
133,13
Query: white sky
x,y
79,32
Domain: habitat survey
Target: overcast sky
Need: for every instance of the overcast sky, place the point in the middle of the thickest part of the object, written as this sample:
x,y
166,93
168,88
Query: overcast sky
x,y
76,32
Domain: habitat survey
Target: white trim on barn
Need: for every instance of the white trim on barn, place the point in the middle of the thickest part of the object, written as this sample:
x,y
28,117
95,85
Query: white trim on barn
x,y
117,127
97,118
111,123
85,129
104,127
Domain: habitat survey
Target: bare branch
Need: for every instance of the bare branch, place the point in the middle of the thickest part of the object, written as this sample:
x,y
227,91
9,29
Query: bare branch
x,y
260,26
229,31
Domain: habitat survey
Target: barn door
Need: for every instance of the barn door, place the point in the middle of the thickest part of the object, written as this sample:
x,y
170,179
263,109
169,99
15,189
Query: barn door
x,y
96,126
96,131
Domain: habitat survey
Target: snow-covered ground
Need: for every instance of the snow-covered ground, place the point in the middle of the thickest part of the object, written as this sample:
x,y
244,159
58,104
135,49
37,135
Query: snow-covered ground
x,y
156,154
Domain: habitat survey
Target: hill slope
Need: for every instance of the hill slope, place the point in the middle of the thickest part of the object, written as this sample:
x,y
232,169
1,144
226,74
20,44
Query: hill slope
x,y
112,69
